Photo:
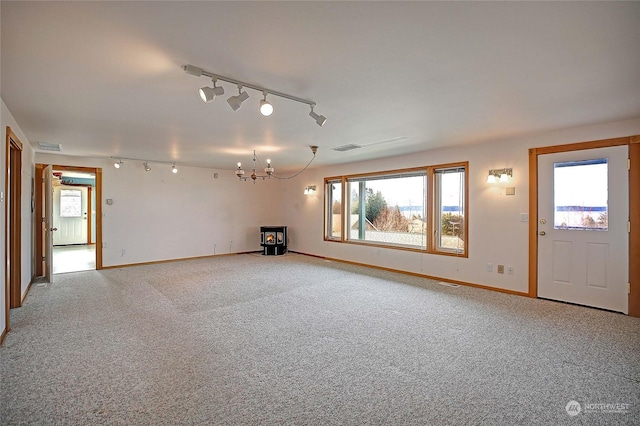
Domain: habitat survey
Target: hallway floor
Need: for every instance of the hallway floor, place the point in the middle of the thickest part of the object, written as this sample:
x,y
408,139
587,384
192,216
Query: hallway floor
x,y
74,258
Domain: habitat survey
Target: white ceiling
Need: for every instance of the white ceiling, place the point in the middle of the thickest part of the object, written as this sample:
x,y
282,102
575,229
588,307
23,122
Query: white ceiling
x,y
105,78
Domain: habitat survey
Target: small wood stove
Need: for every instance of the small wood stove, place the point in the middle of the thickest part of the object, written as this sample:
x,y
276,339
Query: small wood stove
x,y
273,240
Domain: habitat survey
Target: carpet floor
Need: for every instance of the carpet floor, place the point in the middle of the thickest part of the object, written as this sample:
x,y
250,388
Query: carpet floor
x,y
297,340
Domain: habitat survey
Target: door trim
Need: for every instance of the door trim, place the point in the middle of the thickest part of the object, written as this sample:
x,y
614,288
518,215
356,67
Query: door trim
x,y
12,224
634,204
39,204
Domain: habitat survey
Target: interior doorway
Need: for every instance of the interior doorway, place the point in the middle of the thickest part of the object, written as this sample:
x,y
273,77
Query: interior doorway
x,y
13,224
74,227
73,219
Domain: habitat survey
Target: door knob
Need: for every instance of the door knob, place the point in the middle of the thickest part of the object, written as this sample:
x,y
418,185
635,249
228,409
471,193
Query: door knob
x,y
543,233
53,229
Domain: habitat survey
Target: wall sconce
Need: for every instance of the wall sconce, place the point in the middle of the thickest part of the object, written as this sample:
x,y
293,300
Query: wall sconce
x,y
499,175
310,190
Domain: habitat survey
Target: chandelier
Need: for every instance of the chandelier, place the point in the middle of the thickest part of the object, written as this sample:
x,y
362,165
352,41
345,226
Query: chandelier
x,y
269,169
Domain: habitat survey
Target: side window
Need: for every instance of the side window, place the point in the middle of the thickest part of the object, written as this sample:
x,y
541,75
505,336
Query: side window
x,y
333,210
450,210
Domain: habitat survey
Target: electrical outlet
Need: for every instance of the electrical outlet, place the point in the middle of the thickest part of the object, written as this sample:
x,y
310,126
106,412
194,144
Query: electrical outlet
x,y
501,269
124,251
510,270
489,267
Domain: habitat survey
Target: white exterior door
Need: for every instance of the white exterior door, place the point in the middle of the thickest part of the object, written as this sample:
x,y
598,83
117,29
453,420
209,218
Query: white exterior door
x,y
583,239
70,215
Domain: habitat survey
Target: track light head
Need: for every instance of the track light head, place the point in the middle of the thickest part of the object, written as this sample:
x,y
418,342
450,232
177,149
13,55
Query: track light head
x,y
117,164
146,167
235,102
266,108
208,94
174,169
320,119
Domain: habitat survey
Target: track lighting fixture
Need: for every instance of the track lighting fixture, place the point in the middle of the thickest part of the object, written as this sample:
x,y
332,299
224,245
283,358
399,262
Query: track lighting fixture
x,y
145,163
235,102
320,119
266,108
207,94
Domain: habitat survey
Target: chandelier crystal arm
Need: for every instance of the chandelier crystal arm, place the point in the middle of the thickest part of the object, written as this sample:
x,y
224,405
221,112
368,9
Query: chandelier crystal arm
x,y
269,170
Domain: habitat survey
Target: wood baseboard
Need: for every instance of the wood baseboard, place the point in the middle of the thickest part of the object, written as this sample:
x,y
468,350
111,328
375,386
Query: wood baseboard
x,y
156,262
415,274
2,336
24,296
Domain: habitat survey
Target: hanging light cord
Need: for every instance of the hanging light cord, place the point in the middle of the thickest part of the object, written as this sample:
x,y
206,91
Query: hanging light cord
x,y
303,169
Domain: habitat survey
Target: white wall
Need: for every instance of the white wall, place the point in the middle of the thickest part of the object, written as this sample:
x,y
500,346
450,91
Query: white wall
x,y
6,119
159,215
496,234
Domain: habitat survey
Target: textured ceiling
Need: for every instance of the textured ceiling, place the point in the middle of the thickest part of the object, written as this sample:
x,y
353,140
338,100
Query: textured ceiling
x,y
105,78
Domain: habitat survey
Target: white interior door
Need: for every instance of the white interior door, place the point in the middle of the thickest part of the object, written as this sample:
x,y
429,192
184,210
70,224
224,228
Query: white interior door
x,y
70,215
583,239
47,223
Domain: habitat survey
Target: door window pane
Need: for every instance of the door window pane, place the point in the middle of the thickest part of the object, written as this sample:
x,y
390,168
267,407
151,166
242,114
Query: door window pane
x,y
580,195
70,203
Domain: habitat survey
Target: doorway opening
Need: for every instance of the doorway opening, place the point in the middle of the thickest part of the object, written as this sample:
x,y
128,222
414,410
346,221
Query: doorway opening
x,y
74,220
70,238
13,224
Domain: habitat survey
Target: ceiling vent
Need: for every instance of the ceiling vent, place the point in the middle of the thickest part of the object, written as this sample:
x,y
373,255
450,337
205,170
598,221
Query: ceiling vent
x,y
53,147
347,147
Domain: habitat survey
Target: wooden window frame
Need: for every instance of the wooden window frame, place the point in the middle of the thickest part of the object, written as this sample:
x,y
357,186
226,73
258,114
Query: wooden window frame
x,y
430,205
